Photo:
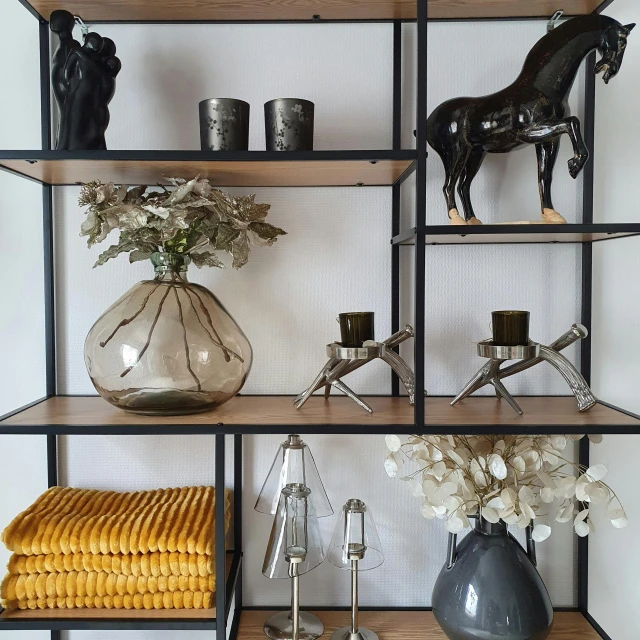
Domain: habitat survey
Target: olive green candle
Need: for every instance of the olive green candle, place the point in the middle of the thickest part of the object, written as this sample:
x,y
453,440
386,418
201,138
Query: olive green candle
x,y
510,328
355,328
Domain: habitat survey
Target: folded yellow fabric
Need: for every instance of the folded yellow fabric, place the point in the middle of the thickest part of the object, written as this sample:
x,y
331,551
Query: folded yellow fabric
x,y
64,520
92,583
158,600
141,564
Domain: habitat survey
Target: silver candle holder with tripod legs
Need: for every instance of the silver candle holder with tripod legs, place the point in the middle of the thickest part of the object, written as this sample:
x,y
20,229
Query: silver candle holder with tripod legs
x,y
345,360
529,355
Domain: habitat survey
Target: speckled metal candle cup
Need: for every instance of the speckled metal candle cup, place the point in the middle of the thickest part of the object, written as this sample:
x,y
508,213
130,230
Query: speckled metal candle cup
x,y
356,328
289,124
224,125
510,328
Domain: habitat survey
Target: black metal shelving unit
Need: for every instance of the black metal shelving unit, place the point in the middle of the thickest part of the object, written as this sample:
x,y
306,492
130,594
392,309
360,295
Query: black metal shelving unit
x,y
56,415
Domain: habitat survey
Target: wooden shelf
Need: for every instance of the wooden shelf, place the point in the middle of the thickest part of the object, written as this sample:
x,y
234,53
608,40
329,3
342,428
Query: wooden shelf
x,y
542,414
224,169
121,619
276,414
409,625
461,9
257,414
520,234
108,620
276,10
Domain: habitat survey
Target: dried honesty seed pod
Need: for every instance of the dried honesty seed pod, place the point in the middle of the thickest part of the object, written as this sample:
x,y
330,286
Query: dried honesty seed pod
x,y
521,480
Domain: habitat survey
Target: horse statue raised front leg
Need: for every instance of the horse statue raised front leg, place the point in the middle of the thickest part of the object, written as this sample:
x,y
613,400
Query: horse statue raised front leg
x,y
532,110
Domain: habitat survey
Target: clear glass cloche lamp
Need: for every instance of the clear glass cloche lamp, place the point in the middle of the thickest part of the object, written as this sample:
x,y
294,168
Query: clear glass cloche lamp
x,y
355,546
295,548
293,463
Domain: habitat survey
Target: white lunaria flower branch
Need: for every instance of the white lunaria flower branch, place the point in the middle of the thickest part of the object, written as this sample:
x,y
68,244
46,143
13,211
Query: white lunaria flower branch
x,y
521,480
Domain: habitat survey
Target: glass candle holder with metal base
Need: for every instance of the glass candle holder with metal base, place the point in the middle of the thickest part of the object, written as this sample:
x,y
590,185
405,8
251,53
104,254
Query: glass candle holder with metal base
x,y
355,546
293,463
529,355
295,548
343,360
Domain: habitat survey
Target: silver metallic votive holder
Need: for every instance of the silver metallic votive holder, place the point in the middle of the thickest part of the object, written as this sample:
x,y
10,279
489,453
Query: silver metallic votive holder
x,y
224,125
289,124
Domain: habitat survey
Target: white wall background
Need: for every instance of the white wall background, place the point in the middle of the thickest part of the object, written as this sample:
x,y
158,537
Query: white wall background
x,y
21,261
614,558
335,256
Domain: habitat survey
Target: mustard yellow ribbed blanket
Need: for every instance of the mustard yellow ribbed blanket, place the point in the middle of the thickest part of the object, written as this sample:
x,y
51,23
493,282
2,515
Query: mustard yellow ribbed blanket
x,y
66,521
141,564
82,548
158,600
92,583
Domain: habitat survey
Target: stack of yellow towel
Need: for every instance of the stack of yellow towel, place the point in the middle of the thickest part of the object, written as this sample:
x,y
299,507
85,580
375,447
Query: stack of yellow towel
x,y
80,548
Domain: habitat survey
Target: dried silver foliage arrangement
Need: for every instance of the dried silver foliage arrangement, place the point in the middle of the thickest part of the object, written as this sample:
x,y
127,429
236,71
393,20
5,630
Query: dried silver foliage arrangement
x,y
521,480
193,219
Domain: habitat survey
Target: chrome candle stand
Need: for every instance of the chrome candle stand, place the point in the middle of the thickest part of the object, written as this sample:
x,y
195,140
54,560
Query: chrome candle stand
x,y
355,546
530,355
344,360
295,548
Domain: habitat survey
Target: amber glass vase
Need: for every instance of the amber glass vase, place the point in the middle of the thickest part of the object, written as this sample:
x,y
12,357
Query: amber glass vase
x,y
167,346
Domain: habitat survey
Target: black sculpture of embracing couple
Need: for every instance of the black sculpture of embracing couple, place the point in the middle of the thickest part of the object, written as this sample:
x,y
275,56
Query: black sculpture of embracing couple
x,y
84,82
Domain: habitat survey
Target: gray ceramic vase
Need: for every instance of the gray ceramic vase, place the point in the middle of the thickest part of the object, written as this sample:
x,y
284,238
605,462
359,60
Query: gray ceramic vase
x,y
288,124
489,589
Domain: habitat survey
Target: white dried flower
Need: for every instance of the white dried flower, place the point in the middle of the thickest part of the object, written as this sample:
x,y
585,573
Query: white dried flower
x,y
393,442
522,480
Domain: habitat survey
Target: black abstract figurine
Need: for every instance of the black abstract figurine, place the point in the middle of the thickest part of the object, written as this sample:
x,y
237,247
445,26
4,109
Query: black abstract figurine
x,y
84,81
532,110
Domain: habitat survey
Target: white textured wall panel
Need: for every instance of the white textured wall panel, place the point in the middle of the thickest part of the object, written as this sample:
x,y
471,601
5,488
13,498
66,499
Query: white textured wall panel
x,y
336,257
346,69
464,284
23,470
614,556
614,559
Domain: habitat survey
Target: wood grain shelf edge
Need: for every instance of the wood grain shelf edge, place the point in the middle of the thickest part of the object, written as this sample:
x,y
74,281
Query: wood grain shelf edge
x,y
109,614
275,10
560,411
220,172
409,625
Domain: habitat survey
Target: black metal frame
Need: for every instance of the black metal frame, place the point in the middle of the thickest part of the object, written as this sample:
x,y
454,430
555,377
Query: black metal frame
x,y
587,304
419,236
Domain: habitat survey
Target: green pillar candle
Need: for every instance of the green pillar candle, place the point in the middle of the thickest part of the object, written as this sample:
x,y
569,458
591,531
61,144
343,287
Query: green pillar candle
x,y
510,328
356,328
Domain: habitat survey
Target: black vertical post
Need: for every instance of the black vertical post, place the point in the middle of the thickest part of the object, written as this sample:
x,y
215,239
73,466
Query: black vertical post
x,y
47,210
421,207
49,293
587,292
395,191
47,235
52,461
221,556
237,513
397,84
587,213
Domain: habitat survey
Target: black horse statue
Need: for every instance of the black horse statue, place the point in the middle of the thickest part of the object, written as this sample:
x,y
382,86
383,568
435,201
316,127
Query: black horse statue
x,y
532,110
84,81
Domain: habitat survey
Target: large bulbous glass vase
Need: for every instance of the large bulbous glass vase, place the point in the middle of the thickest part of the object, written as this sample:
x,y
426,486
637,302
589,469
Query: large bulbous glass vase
x,y
167,346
